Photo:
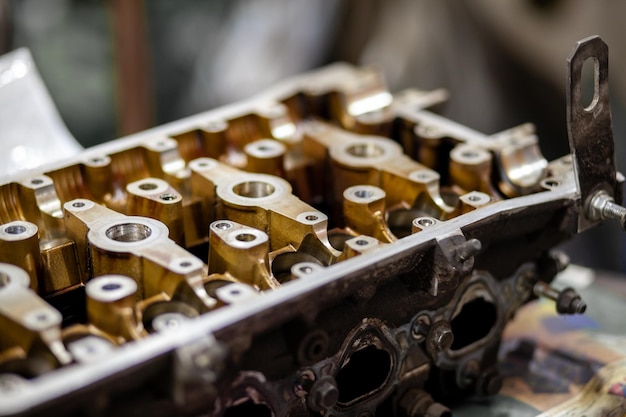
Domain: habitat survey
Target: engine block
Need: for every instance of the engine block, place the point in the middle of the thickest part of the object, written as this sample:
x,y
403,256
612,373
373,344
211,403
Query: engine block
x,y
326,247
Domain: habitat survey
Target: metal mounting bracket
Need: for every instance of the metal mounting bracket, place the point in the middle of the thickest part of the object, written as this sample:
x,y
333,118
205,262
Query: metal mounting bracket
x,y
589,127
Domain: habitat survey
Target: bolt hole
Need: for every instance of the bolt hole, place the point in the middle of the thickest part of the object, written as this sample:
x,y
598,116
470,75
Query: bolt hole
x,y
254,189
590,89
363,193
313,347
361,242
112,286
311,217
365,150
235,292
474,198
36,181
469,154
223,226
425,222
306,269
128,232
78,204
552,183
245,237
317,348
185,264
168,197
168,321
15,230
96,160
147,186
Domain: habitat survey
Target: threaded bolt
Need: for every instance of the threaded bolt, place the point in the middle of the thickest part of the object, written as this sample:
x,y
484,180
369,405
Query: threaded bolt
x,y
440,338
567,300
615,211
468,249
323,395
602,207
489,383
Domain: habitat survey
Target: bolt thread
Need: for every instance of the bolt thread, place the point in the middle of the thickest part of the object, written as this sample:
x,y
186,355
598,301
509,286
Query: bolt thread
x,y
579,306
468,249
541,289
613,211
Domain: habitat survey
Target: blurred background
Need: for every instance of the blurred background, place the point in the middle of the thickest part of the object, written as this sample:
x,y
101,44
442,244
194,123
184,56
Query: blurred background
x,y
115,67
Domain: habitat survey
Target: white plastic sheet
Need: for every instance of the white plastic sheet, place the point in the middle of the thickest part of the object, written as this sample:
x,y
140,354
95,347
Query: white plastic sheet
x,y
31,130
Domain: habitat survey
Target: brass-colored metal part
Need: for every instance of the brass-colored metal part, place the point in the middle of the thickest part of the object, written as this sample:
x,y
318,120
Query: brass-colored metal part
x,y
266,156
519,162
139,247
303,269
111,306
27,320
364,212
61,269
19,246
373,160
241,251
164,161
359,245
155,198
40,204
98,177
470,169
261,201
235,293
421,223
474,200
268,119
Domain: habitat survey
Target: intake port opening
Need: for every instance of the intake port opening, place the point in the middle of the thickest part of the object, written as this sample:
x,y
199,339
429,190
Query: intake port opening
x,y
248,409
474,322
367,371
